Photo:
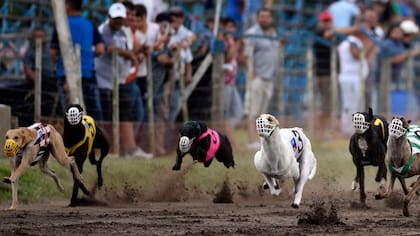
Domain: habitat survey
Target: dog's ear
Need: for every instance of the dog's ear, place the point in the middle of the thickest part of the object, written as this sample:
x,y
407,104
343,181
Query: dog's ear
x,y
27,135
203,127
408,121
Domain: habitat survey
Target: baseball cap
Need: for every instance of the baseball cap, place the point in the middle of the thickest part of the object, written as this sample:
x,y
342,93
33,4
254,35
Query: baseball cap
x,y
325,16
117,10
409,27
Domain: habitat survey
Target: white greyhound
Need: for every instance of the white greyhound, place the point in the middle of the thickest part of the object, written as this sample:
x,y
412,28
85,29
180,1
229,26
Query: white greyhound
x,y
285,153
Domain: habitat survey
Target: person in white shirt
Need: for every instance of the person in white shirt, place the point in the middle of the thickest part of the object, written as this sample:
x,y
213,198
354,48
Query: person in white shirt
x,y
352,67
181,39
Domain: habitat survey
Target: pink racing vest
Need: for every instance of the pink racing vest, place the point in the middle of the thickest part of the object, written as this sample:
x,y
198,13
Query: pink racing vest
x,y
214,144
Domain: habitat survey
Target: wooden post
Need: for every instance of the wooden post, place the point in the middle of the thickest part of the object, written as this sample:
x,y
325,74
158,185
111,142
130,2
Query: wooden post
x,y
280,85
384,94
249,76
218,85
362,81
310,90
5,124
71,67
150,105
183,100
410,90
38,80
115,104
334,87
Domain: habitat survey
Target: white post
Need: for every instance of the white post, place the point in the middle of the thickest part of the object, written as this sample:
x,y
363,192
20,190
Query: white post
x,y
150,104
362,80
115,104
410,90
38,80
310,90
71,67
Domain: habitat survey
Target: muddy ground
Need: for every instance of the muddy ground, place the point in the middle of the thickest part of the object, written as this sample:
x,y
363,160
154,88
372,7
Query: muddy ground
x,y
254,213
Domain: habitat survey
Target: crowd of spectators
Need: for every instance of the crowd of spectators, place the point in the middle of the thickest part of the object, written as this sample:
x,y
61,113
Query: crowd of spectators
x,y
365,32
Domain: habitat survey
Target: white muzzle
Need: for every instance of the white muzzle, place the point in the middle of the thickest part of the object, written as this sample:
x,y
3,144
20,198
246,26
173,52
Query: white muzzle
x,y
185,144
74,116
359,123
264,127
396,128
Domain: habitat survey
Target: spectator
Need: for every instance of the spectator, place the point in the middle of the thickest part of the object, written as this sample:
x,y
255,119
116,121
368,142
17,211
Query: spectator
x,y
84,33
181,40
351,63
375,32
265,66
162,62
130,28
146,35
49,88
233,108
410,31
344,13
394,47
323,72
154,7
116,40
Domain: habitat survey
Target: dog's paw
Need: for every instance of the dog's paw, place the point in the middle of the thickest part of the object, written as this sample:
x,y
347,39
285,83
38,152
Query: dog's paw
x,y
6,180
294,205
176,167
12,208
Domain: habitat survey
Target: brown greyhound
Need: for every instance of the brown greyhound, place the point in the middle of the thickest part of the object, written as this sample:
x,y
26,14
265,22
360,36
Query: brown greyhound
x,y
403,157
28,146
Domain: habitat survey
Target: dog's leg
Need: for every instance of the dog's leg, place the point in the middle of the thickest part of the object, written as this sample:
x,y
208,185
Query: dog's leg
x,y
355,183
361,174
178,162
44,168
15,175
305,168
389,190
410,196
404,185
58,151
273,190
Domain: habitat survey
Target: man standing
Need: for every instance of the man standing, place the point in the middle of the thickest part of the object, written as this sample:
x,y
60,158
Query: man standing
x,y
117,40
264,65
84,33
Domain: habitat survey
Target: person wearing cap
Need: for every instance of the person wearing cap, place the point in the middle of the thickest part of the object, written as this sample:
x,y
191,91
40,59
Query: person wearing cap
x,y
393,47
410,31
116,40
85,34
322,67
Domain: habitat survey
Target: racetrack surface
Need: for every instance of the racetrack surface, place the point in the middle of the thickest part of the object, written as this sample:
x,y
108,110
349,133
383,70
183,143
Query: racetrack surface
x,y
321,213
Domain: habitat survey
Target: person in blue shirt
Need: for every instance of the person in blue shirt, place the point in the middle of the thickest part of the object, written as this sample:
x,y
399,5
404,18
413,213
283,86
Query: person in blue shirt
x,y
84,33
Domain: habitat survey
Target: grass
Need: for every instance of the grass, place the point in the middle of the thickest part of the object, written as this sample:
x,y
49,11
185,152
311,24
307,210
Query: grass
x,y
132,179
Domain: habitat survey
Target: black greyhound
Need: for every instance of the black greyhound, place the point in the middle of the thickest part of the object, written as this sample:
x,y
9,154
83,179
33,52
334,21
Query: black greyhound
x,y
368,147
203,144
81,137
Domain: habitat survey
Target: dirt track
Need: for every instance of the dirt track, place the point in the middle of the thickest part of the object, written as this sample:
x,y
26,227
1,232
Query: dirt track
x,y
254,215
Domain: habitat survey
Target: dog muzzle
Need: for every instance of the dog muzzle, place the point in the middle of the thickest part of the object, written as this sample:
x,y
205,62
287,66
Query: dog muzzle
x,y
11,148
264,127
185,144
396,128
74,116
359,123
